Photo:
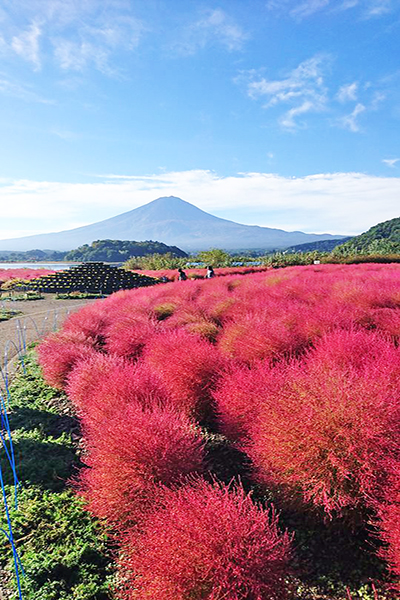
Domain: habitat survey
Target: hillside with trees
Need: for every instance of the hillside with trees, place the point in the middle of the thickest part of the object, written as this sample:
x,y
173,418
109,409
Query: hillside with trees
x,y
383,238
120,251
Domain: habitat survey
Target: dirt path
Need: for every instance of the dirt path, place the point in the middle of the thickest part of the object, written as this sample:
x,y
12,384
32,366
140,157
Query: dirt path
x,y
37,319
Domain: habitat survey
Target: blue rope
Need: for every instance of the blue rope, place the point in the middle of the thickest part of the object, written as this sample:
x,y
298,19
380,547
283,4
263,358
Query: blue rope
x,y
17,562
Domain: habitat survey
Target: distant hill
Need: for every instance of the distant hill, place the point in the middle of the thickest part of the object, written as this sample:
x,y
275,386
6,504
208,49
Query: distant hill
x,y
383,238
320,246
171,221
119,251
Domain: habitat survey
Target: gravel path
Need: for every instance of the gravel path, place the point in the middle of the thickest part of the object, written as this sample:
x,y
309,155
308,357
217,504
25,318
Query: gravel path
x,y
38,318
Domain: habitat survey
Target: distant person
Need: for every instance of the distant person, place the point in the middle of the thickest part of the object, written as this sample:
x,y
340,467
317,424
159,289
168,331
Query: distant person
x,y
210,273
181,275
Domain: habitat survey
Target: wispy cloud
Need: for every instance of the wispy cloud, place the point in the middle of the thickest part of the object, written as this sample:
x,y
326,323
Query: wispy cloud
x,y
78,34
348,92
307,8
351,121
376,8
303,88
319,203
391,162
17,90
26,44
214,27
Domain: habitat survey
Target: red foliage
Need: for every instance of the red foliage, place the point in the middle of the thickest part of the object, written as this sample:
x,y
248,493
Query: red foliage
x,y
188,366
388,511
327,426
210,542
261,335
133,454
103,385
58,355
6,274
91,322
127,335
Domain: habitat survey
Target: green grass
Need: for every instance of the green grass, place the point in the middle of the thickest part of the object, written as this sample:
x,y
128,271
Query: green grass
x,y
64,552
8,313
22,296
77,296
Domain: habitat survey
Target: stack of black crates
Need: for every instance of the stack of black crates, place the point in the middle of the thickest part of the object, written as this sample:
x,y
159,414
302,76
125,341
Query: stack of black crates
x,y
93,278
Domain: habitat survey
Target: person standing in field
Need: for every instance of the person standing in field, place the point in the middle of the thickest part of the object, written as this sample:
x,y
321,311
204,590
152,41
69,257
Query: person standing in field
x,y
210,273
181,275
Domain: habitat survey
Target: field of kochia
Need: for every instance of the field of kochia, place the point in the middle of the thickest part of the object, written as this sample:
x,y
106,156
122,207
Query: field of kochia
x,y
292,375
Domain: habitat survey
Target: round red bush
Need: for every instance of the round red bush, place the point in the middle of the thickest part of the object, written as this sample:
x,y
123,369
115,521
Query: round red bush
x,y
133,454
207,541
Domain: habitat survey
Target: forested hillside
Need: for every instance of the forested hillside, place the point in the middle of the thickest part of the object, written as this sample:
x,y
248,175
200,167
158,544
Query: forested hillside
x,y
117,250
383,238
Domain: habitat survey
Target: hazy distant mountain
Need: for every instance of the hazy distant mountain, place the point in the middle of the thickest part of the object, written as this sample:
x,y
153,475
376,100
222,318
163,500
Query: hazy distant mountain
x,y
320,246
171,221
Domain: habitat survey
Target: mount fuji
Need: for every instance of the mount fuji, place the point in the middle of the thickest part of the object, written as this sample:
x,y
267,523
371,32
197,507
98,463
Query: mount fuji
x,y
172,221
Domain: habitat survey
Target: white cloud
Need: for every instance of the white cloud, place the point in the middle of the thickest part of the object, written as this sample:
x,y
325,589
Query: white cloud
x,y
342,203
79,34
303,87
350,121
308,8
214,27
17,90
391,162
288,119
376,8
26,44
347,4
348,92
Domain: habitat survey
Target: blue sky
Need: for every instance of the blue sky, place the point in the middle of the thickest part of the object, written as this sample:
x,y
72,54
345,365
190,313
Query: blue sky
x,y
283,113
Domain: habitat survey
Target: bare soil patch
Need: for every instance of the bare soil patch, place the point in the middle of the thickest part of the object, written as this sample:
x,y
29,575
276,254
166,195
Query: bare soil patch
x,y
36,319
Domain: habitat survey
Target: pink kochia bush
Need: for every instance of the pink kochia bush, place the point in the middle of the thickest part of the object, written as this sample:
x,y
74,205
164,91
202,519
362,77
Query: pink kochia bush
x,y
299,368
7,274
327,427
206,541
388,511
135,452
59,353
188,366
102,385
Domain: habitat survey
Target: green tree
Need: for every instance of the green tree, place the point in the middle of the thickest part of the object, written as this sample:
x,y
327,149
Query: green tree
x,y
215,258
155,262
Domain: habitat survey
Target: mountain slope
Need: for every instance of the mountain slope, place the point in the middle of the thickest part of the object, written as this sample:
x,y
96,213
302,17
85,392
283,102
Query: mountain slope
x,y
383,238
172,221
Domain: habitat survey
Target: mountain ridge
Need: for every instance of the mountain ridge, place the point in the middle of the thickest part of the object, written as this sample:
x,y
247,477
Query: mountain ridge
x,y
172,221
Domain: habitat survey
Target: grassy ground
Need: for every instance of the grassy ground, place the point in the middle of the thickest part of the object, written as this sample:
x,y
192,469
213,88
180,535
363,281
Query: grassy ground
x,y
65,553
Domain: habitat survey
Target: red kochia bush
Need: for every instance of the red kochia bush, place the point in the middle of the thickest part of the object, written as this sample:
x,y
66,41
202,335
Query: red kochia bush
x,y
91,322
101,386
388,512
261,335
330,426
133,454
127,335
207,541
59,353
188,366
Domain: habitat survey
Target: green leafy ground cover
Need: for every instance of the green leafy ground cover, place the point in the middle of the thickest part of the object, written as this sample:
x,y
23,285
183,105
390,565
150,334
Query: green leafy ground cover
x,y
8,313
22,296
77,296
66,554
63,551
